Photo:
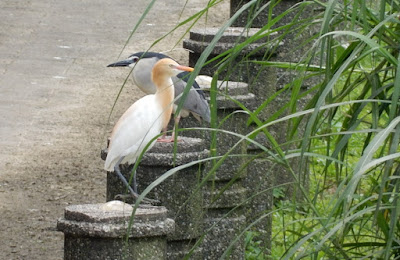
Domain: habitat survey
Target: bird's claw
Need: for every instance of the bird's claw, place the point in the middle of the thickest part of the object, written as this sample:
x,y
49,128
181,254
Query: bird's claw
x,y
167,139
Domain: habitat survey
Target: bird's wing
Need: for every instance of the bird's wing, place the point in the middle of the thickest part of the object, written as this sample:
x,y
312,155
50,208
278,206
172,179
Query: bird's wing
x,y
185,77
136,127
195,101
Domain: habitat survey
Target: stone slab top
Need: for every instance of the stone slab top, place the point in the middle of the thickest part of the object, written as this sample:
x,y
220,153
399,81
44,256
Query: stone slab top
x,y
200,39
113,212
184,145
112,220
231,34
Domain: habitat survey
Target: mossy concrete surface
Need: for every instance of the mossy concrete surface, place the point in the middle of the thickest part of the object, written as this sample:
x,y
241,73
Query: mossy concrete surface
x,y
94,231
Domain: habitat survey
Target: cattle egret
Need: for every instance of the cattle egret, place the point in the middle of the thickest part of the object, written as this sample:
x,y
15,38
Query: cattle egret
x,y
143,121
143,62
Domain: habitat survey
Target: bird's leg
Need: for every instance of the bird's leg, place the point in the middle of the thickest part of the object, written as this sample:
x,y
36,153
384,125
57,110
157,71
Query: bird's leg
x,y
164,135
134,184
133,192
176,121
164,138
122,178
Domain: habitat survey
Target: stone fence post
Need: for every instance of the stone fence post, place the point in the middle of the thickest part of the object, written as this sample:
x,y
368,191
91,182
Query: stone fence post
x,y
258,175
224,193
292,49
98,232
181,194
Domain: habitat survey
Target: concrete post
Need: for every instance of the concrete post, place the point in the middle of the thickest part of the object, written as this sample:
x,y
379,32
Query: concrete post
x,y
262,19
258,22
261,80
291,49
258,176
224,194
98,232
181,193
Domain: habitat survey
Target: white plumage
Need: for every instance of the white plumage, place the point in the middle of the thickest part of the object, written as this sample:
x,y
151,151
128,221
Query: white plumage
x,y
143,121
137,126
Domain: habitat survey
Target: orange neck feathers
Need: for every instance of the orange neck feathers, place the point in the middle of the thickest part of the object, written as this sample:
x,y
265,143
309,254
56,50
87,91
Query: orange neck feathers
x,y
164,94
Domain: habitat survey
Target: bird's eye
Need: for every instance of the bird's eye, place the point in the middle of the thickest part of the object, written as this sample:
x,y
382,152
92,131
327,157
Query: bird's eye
x,y
134,59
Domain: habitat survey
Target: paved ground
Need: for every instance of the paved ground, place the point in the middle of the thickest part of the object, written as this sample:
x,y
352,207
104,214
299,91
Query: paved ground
x,y
55,97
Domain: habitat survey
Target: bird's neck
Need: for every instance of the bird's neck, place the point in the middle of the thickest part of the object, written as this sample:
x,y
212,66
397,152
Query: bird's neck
x,y
165,96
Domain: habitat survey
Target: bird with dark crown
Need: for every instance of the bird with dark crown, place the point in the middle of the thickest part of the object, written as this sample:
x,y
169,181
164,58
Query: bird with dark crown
x,y
143,121
143,63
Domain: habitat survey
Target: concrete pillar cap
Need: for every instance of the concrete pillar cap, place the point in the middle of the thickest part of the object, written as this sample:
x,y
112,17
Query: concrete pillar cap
x,y
200,38
112,219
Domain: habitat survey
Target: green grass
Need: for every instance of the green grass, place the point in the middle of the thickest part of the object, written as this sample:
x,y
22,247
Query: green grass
x,y
350,209
348,146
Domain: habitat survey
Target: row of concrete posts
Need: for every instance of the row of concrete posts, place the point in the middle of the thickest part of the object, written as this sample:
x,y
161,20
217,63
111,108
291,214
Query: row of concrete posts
x,y
205,211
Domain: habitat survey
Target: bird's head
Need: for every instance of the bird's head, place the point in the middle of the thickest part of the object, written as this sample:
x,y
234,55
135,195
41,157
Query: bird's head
x,y
131,61
167,68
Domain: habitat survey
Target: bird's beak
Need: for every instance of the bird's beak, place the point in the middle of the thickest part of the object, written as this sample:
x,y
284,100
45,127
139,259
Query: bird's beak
x,y
184,68
122,63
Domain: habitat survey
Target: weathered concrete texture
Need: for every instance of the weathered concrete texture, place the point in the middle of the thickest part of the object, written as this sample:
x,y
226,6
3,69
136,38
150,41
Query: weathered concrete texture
x,y
262,18
107,249
293,48
259,182
259,21
230,168
187,248
224,219
220,196
230,92
180,193
290,50
200,39
224,191
98,231
231,118
253,176
231,35
236,90
221,235
261,79
158,160
224,195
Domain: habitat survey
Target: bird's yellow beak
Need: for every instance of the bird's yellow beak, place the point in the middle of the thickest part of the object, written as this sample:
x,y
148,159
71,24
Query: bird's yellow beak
x,y
184,68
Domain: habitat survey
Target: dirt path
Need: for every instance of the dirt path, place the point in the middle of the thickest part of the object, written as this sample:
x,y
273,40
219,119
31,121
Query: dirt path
x,y
55,97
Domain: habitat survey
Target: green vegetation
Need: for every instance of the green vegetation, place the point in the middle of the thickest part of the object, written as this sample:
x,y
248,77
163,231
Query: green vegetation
x,y
351,137
346,137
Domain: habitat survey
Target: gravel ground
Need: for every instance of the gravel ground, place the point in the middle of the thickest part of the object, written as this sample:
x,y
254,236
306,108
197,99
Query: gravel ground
x,y
56,96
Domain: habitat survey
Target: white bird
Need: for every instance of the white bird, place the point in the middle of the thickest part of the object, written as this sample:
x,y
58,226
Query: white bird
x,y
143,63
143,121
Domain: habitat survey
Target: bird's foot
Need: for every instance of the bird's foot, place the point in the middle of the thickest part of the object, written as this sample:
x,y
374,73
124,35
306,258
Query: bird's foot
x,y
167,139
145,202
